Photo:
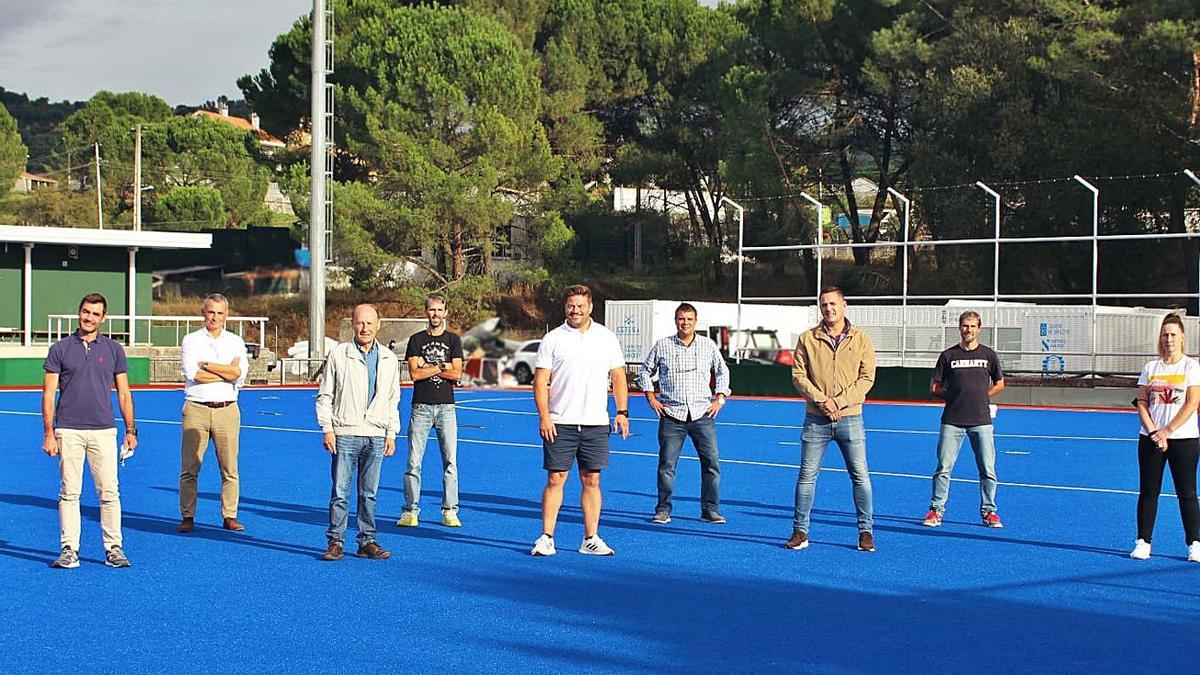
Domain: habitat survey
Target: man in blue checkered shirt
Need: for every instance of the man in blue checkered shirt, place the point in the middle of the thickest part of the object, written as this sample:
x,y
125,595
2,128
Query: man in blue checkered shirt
x,y
687,405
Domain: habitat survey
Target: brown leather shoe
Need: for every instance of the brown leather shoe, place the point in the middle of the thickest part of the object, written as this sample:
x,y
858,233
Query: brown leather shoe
x,y
186,525
334,552
373,551
233,524
798,541
866,542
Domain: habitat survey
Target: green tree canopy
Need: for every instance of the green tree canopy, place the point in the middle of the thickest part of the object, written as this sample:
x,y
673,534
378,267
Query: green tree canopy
x,y
446,105
190,207
12,151
196,150
176,151
440,116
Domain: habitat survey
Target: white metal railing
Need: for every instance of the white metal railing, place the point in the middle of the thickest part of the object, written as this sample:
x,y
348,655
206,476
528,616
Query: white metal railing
x,y
60,325
997,296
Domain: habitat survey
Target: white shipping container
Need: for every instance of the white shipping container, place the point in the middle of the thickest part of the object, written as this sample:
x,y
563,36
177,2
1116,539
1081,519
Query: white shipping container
x,y
1051,339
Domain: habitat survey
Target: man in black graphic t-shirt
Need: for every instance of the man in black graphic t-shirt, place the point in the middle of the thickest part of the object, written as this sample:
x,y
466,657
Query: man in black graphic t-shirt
x,y
967,375
435,359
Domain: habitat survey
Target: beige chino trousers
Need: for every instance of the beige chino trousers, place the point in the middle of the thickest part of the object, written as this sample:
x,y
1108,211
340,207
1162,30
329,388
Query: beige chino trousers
x,y
99,448
221,425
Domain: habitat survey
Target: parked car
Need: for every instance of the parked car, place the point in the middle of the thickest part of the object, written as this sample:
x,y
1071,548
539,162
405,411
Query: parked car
x,y
521,361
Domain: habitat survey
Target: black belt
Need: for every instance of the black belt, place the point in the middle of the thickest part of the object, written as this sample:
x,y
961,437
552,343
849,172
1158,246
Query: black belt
x,y
214,404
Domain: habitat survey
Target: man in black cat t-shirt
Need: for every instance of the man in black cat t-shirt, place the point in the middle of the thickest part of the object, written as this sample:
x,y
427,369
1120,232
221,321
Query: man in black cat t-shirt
x,y
435,360
967,375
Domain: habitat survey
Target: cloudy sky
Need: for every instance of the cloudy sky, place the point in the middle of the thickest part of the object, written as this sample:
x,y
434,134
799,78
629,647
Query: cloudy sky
x,y
185,51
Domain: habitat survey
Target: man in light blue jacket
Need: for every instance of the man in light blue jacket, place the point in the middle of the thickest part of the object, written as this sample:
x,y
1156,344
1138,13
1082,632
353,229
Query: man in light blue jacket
x,y
358,411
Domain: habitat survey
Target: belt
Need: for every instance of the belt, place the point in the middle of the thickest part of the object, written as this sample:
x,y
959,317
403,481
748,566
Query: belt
x,y
213,404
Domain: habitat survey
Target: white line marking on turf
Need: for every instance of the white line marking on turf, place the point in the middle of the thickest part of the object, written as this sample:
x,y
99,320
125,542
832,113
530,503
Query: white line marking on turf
x,y
753,425
782,465
654,455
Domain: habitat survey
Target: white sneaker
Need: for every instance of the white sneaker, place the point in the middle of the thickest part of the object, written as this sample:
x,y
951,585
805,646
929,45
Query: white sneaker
x,y
1141,550
1194,551
594,545
544,546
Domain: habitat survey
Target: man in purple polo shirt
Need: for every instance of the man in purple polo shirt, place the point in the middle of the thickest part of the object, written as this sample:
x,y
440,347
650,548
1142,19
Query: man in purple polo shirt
x,y
77,414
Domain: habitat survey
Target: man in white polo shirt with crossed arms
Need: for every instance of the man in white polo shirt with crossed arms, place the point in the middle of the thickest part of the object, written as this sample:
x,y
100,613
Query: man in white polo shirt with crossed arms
x,y
570,386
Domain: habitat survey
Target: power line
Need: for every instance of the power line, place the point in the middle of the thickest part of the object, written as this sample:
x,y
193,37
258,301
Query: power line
x,y
997,184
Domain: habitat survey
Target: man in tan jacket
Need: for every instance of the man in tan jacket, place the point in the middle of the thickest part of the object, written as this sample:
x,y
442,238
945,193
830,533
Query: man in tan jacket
x,y
834,370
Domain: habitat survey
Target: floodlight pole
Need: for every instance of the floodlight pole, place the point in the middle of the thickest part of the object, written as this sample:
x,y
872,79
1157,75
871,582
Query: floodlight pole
x,y
1192,176
1095,256
316,202
819,236
903,276
995,253
741,260
137,177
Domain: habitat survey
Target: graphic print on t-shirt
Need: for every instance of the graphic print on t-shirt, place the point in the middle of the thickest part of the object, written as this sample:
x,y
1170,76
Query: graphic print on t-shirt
x,y
967,375
1167,389
434,350
436,354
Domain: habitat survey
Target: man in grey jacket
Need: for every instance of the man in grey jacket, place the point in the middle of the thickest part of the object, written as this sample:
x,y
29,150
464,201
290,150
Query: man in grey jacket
x,y
358,411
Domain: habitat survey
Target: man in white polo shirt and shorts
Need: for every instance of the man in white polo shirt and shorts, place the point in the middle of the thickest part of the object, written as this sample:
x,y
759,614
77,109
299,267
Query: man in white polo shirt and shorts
x,y
570,386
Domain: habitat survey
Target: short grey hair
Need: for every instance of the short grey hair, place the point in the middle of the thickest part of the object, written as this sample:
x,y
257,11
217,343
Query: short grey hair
x,y
215,297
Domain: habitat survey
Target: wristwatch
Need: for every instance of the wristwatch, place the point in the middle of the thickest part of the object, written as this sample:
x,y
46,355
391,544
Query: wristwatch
x,y
623,412
131,431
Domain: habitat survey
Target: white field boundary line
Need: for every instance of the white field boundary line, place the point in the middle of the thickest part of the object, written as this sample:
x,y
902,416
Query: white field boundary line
x,y
468,405
755,425
654,455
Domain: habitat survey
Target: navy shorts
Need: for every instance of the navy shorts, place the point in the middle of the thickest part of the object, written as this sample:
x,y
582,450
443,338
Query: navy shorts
x,y
586,443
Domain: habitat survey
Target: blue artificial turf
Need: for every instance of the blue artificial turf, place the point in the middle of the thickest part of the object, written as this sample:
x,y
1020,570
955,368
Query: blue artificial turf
x,y
1052,592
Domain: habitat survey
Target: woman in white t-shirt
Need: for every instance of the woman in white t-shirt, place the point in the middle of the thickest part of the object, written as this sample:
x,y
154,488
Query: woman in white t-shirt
x,y
1168,395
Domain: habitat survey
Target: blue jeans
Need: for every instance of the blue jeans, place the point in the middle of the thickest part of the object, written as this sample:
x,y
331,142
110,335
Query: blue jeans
x,y
671,434
362,455
851,438
426,416
949,443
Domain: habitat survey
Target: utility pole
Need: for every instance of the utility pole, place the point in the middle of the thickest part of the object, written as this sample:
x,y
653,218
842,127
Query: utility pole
x,y
137,177
99,192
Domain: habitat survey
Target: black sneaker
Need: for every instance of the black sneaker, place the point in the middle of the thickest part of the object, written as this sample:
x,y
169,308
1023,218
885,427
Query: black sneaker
x,y
66,560
115,557
712,517
661,517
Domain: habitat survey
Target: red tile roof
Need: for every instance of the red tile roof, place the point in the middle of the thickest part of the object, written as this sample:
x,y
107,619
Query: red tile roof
x,y
242,123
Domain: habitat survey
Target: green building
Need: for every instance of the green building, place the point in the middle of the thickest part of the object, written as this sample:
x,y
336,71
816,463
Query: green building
x,y
44,271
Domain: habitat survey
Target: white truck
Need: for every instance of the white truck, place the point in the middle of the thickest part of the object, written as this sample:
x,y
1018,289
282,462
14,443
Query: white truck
x,y
769,332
